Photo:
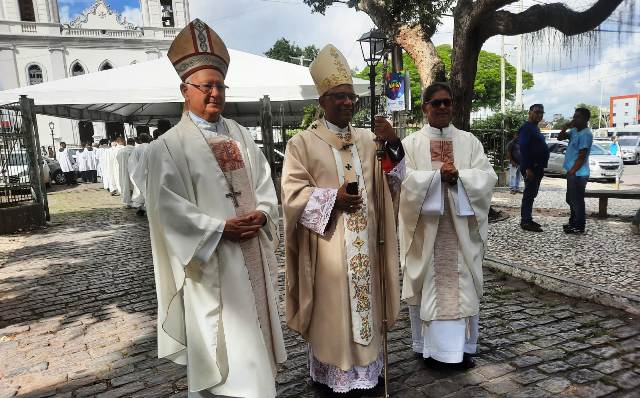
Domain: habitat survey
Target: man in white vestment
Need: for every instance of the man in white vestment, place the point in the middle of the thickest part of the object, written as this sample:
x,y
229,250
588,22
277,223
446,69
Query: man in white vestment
x,y
213,219
91,159
138,172
444,205
66,164
103,170
124,180
333,292
114,170
81,161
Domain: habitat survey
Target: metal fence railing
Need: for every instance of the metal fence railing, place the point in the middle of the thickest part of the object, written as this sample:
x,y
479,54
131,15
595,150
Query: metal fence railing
x,y
495,146
15,164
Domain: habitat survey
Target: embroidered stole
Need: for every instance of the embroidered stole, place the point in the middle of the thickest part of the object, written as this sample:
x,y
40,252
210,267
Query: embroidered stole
x,y
231,162
445,251
356,236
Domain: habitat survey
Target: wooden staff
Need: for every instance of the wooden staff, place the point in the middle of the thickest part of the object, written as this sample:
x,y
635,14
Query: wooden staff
x,y
380,211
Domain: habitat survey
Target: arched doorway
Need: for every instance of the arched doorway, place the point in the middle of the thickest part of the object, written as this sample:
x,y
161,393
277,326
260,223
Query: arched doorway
x,y
85,128
114,129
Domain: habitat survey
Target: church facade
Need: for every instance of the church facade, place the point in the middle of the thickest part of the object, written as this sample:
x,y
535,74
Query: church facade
x,y
36,47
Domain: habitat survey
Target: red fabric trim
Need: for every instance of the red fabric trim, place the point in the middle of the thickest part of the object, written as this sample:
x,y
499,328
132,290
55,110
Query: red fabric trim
x,y
387,163
193,37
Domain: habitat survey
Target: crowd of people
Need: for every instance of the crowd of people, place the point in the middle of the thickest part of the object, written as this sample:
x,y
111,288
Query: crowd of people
x,y
528,156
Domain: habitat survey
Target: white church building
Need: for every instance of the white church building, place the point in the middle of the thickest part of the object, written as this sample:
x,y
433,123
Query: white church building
x,y
36,47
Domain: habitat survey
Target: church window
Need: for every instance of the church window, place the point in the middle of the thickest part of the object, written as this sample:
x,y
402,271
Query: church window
x,y
106,65
77,69
26,10
167,13
35,74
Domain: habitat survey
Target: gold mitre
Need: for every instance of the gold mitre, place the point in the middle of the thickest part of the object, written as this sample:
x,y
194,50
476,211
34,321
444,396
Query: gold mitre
x,y
330,69
197,47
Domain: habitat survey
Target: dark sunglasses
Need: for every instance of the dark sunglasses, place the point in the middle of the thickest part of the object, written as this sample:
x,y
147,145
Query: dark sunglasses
x,y
437,103
343,96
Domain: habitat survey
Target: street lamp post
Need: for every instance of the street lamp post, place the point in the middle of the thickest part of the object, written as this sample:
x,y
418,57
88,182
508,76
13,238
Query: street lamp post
x,y
53,142
373,45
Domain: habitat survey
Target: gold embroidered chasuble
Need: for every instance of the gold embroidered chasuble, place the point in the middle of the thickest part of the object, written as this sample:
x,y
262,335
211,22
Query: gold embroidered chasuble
x,y
318,291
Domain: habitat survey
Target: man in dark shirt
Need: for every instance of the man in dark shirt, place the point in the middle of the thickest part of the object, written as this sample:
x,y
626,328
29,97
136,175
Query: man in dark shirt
x,y
534,155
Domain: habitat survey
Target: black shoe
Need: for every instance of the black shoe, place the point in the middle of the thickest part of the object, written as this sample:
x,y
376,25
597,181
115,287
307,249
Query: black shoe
x,y
141,213
536,224
530,226
467,362
574,231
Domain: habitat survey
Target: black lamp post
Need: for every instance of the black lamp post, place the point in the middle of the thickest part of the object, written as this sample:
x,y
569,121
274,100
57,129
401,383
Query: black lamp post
x,y
53,142
373,45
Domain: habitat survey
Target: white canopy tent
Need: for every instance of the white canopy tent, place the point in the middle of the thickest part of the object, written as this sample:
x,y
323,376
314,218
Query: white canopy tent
x,y
144,92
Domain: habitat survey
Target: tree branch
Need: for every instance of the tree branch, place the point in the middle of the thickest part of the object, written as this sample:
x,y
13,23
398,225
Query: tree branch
x,y
554,15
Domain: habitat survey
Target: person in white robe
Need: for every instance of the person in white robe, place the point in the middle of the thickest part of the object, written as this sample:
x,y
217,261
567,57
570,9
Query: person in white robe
x,y
213,218
81,161
138,172
103,170
91,159
444,203
66,164
114,170
124,180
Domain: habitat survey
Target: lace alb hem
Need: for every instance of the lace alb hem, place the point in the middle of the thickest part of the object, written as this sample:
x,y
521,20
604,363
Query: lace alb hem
x,y
341,381
317,213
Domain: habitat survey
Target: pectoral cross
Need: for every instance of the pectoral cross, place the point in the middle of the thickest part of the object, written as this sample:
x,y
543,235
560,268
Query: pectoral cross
x,y
234,196
348,166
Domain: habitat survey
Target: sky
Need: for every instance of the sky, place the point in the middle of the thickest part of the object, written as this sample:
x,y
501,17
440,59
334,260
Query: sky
x,y
564,74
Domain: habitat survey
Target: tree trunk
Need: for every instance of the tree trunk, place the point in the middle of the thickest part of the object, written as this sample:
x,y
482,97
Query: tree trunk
x,y
464,64
423,52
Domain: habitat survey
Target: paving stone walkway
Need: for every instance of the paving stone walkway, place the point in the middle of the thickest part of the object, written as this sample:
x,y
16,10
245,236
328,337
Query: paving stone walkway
x,y
77,318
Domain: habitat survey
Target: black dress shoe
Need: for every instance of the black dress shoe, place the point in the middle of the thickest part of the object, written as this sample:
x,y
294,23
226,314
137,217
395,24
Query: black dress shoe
x,y
530,226
536,224
574,231
467,362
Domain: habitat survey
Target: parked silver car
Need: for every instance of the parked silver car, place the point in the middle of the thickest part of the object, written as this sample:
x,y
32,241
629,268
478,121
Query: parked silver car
x,y
630,146
602,165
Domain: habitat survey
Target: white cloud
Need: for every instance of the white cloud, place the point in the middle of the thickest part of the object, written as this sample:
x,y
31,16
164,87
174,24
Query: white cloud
x,y
65,15
133,15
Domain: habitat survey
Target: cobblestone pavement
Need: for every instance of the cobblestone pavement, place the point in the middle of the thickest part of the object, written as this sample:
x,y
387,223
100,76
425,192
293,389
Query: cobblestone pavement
x,y
77,318
606,256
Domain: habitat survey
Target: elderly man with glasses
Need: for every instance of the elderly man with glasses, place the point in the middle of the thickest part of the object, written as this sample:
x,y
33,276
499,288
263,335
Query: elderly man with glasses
x,y
213,217
328,198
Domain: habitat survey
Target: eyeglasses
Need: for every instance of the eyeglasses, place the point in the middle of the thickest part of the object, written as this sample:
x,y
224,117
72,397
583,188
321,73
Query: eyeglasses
x,y
208,88
343,96
437,103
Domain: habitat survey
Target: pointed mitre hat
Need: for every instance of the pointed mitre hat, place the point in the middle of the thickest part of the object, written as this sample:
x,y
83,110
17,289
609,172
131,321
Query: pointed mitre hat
x,y
330,69
197,47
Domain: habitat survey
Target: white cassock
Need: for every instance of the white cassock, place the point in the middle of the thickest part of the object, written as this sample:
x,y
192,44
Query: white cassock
x,y
208,316
64,159
138,174
103,169
124,181
91,159
114,171
81,161
443,235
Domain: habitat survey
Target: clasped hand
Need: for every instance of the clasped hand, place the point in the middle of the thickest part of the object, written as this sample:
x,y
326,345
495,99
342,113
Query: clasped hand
x,y
345,202
449,173
243,228
384,131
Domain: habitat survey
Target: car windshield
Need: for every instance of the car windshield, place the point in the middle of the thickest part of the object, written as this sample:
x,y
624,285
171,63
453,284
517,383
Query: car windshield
x,y
598,150
628,141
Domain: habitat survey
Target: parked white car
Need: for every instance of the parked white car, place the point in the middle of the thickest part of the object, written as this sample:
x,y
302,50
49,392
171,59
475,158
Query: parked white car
x,y
630,146
602,165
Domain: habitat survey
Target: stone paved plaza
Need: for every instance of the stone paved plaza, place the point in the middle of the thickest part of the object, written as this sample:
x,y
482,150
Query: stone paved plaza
x,y
77,318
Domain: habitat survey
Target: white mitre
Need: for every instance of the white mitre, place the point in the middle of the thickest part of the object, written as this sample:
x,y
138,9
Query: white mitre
x,y
330,69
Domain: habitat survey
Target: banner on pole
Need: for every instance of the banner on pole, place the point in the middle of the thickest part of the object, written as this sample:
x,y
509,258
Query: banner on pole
x,y
395,91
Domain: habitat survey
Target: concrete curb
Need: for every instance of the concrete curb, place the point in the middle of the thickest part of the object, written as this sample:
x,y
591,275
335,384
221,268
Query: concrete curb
x,y
568,286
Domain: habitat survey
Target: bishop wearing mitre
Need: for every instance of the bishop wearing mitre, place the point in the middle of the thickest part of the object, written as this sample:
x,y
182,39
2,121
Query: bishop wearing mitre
x,y
213,219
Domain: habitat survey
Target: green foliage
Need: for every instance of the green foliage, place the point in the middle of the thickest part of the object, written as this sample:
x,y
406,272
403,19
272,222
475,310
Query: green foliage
x,y
561,122
512,121
284,50
310,112
487,84
486,89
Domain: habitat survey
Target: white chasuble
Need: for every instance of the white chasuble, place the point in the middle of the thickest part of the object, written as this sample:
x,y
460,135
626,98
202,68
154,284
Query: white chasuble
x,y
209,315
441,254
124,180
